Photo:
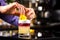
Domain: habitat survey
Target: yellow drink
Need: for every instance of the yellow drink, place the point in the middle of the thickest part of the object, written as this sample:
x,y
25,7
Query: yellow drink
x,y
24,25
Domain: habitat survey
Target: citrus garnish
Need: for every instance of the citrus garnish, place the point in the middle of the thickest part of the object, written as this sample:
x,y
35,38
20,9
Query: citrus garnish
x,y
22,17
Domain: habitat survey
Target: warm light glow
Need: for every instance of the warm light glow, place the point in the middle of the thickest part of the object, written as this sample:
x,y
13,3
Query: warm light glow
x,y
31,31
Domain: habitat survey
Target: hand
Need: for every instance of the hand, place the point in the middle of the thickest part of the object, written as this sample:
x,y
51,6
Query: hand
x,y
30,13
19,9
11,8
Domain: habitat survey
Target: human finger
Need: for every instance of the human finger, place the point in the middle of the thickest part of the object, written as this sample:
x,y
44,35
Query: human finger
x,y
31,14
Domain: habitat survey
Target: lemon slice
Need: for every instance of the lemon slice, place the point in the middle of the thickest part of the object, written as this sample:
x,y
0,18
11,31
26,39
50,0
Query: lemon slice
x,y
22,17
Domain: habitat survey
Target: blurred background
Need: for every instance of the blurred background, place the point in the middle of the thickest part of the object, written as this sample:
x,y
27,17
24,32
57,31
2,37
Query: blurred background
x,y
45,26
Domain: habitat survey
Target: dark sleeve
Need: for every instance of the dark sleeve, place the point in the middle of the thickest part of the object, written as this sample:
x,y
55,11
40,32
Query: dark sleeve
x,y
10,19
2,3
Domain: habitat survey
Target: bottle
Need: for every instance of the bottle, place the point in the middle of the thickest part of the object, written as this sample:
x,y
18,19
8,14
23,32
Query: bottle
x,y
24,27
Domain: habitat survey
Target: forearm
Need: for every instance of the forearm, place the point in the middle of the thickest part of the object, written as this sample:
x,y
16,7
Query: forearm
x,y
4,9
